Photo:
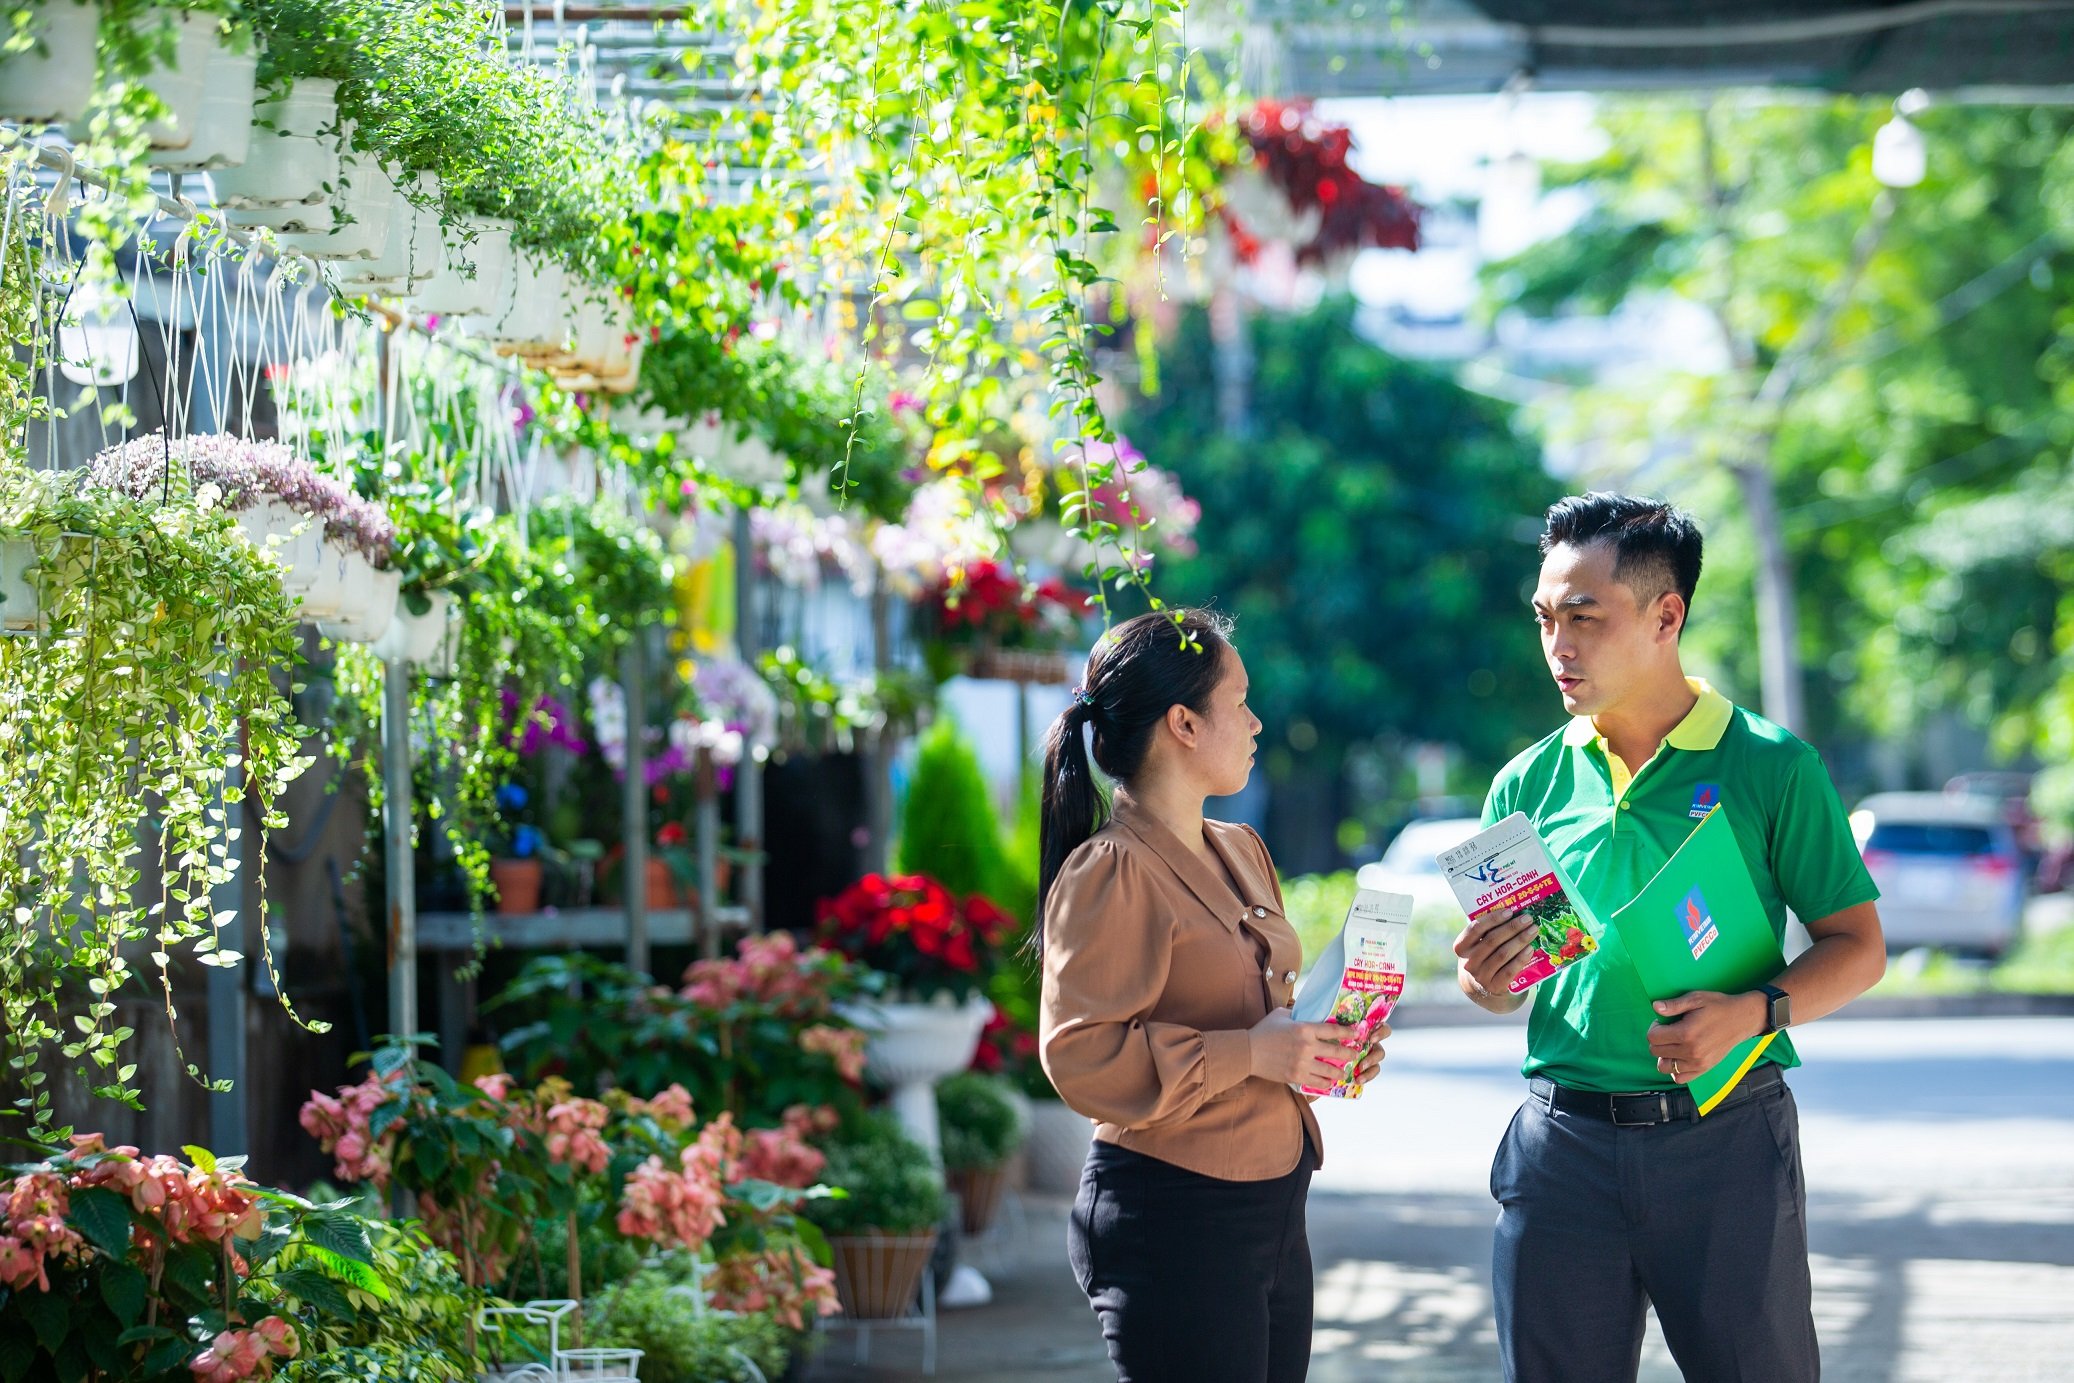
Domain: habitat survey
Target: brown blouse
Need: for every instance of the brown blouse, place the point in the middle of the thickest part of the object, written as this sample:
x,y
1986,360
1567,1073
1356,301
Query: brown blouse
x,y
1154,970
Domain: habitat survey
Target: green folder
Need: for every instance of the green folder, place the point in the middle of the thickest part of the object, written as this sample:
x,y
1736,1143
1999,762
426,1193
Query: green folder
x,y
1698,925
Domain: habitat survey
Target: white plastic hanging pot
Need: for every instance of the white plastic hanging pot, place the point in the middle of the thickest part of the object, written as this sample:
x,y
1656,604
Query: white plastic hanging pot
x,y
52,82
21,604
330,588
292,157
528,314
360,221
371,606
472,270
181,84
426,641
222,134
296,540
412,249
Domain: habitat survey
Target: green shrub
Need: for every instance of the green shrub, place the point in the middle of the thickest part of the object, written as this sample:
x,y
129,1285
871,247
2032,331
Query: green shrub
x,y
677,1346
890,1183
948,829
981,1125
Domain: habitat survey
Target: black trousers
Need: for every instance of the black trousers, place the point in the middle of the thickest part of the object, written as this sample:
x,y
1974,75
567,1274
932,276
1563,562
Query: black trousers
x,y
1195,1279
1706,1220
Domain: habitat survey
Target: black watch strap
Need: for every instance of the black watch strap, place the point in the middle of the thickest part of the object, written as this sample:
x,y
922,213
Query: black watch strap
x,y
1778,1008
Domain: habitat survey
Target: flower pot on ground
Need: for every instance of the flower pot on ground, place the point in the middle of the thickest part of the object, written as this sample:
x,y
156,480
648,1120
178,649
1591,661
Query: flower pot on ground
x,y
222,133
53,81
661,888
293,155
981,1128
884,1230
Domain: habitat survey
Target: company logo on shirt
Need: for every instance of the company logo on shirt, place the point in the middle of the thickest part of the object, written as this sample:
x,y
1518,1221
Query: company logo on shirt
x,y
1700,931
1705,798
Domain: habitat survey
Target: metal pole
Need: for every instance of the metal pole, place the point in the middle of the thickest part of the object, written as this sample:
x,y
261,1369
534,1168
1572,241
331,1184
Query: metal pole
x,y
878,766
228,1134
749,776
396,822
706,830
633,680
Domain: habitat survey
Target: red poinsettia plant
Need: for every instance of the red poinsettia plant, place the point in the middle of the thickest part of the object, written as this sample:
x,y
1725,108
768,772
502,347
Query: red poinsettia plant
x,y
987,604
910,927
1306,159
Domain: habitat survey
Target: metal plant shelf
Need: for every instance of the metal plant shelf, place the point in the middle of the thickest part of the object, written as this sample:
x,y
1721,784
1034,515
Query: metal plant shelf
x,y
567,928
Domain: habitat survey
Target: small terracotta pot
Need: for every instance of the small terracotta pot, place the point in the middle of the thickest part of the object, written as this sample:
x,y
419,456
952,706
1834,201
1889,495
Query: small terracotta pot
x,y
662,887
517,883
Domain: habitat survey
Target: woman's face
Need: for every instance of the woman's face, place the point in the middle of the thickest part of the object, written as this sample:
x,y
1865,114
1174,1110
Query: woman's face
x,y
1223,753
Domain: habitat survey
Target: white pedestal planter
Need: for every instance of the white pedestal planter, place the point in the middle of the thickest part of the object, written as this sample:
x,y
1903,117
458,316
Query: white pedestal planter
x,y
912,1046
21,604
291,159
222,133
470,280
52,82
1059,1140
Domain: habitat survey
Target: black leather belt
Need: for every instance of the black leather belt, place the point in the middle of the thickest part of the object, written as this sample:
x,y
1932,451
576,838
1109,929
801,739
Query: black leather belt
x,y
1648,1107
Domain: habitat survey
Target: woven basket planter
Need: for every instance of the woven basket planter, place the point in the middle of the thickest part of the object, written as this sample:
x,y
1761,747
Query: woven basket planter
x,y
877,1276
979,1195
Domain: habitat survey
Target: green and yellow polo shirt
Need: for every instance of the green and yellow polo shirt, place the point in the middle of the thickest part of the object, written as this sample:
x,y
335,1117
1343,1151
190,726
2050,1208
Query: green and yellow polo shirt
x,y
1612,831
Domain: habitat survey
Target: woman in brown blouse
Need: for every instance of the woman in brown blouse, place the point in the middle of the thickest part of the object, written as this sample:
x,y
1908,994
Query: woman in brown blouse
x,y
1168,970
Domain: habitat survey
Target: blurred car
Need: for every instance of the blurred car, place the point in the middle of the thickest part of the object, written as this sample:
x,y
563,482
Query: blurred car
x,y
2010,790
1948,868
1408,866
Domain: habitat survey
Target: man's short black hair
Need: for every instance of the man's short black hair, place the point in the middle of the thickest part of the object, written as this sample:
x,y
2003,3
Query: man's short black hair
x,y
1656,546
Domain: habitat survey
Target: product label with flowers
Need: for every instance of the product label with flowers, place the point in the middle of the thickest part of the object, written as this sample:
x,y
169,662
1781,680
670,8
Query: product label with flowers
x,y
1508,867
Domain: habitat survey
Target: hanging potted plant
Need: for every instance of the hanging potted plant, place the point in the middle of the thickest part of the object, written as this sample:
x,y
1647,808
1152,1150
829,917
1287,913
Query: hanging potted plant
x,y
983,1127
166,633
221,133
367,206
883,1230
475,258
47,61
292,159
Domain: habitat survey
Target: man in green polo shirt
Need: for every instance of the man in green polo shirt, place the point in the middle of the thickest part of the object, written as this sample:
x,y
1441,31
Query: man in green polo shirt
x,y
1614,1194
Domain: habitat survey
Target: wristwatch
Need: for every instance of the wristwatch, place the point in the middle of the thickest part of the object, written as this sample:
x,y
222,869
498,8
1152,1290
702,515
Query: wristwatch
x,y
1778,1012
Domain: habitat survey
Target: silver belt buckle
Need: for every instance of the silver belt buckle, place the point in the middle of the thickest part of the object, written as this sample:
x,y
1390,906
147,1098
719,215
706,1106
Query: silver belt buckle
x,y
1663,1110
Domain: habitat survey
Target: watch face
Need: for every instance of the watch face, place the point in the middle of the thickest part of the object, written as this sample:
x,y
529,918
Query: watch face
x,y
1782,1011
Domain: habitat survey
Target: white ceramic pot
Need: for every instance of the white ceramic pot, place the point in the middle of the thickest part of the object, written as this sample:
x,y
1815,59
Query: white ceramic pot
x,y
330,586
21,605
912,1046
1263,210
291,160
1059,1140
361,219
222,135
484,252
54,81
528,317
371,600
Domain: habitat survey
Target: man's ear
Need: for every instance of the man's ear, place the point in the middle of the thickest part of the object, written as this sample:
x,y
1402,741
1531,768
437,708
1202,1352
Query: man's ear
x,y
1670,615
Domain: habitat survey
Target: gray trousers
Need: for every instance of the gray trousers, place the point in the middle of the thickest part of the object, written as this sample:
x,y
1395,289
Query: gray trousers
x,y
1707,1220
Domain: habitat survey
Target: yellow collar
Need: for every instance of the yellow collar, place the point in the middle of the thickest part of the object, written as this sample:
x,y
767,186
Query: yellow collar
x,y
1702,728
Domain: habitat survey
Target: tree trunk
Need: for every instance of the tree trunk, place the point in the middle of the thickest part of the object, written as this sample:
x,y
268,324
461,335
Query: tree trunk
x,y
1778,622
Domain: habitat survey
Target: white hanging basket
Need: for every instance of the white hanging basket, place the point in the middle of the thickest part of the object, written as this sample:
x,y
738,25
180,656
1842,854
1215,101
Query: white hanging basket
x,y
430,642
361,220
292,157
180,85
370,605
222,133
327,595
411,254
484,252
528,316
296,540
54,81
1263,210
21,603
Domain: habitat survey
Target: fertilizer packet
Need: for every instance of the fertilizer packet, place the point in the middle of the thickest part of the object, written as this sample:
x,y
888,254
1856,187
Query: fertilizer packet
x,y
1359,977
1508,866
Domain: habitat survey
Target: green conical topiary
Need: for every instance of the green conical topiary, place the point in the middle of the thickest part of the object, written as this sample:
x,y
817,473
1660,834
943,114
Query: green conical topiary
x,y
948,828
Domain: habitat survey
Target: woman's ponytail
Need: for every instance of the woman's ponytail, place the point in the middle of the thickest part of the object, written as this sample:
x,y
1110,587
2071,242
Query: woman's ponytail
x,y
1138,671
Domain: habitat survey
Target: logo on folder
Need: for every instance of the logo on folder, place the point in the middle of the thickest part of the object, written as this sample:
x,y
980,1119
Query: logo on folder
x,y
1700,931
1705,798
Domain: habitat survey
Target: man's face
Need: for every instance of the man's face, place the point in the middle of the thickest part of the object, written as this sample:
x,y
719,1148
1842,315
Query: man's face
x,y
1599,639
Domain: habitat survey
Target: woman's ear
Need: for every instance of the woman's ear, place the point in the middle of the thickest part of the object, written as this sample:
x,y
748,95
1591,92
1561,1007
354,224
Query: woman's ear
x,y
1183,725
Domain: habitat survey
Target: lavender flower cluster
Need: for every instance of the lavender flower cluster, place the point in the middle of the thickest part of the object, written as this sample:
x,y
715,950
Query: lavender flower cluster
x,y
247,472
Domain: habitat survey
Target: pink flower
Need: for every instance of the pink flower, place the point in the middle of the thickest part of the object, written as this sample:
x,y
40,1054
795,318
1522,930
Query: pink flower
x,y
280,1337
20,1265
845,1045
497,1085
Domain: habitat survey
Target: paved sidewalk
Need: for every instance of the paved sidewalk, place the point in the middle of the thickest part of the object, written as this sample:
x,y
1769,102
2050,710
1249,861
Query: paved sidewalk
x,y
1941,1157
